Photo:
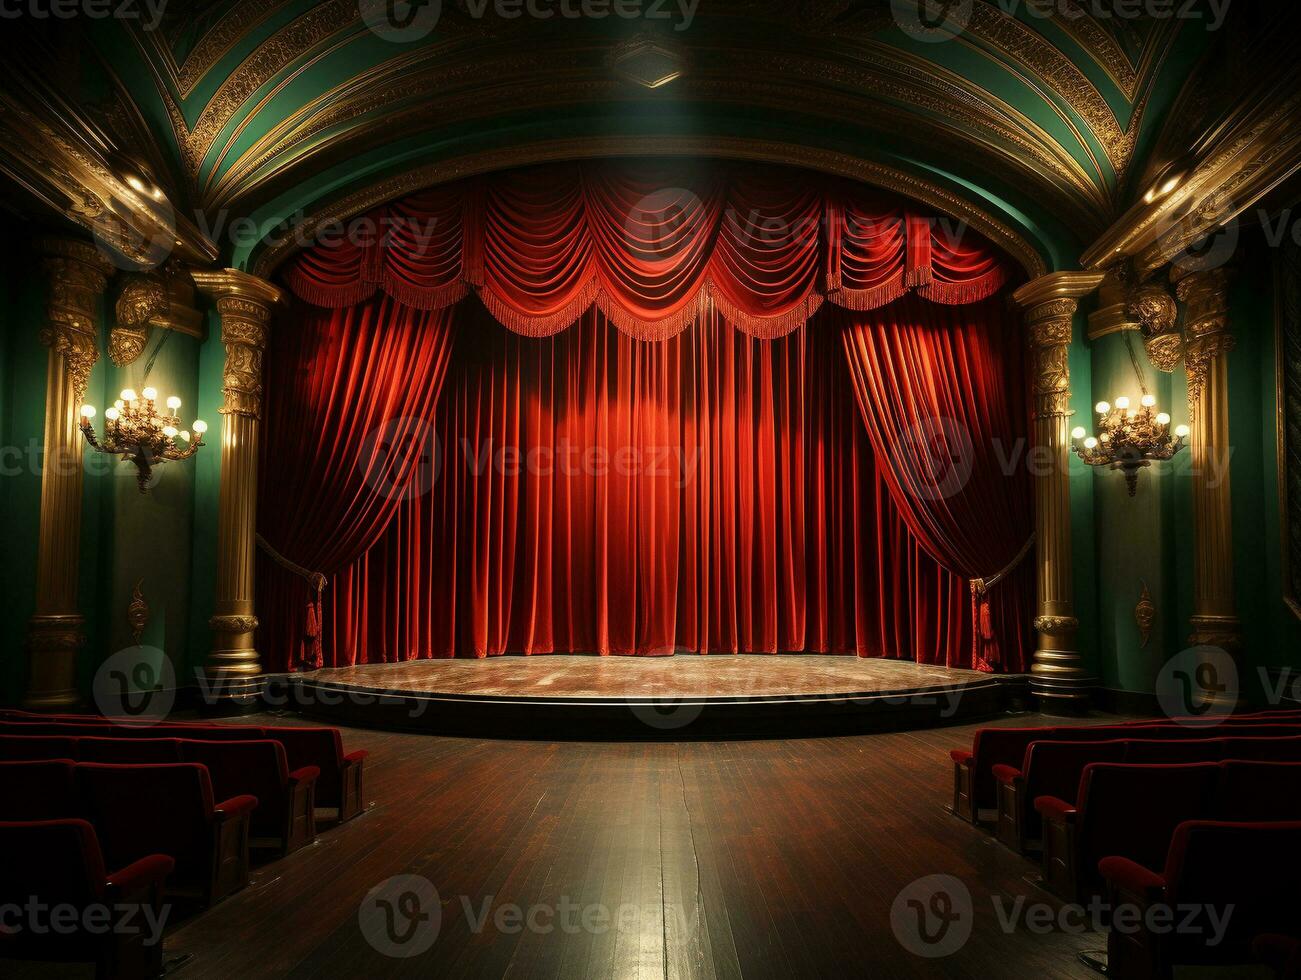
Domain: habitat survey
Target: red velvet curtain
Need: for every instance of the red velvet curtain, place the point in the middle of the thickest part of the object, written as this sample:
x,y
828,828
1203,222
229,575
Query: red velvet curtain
x,y
347,428
940,394
651,244
599,494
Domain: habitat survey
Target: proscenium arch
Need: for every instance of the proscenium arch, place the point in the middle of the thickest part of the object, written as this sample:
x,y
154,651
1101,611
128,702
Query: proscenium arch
x,y
1018,237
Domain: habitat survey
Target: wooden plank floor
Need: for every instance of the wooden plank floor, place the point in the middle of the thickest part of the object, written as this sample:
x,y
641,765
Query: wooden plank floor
x,y
682,676
730,859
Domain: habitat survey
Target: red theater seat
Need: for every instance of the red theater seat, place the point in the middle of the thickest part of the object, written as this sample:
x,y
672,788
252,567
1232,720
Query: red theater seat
x,y
340,784
1048,769
58,863
1258,791
126,751
28,747
169,809
285,817
42,790
1246,872
975,788
1119,809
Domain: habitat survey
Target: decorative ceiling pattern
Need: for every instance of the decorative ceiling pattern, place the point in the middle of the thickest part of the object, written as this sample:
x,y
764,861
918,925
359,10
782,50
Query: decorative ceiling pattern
x,y
263,99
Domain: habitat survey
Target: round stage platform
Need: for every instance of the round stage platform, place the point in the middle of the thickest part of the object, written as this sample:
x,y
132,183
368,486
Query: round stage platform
x,y
649,697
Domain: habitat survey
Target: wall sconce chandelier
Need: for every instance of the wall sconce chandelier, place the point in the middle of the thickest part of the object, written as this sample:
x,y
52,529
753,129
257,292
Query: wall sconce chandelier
x,y
1129,439
136,431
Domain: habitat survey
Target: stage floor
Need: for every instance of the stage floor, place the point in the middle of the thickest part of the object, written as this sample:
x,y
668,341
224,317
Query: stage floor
x,y
685,676
589,696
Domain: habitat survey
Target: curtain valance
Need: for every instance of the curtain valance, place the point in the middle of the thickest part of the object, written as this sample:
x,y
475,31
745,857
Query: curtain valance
x,y
651,245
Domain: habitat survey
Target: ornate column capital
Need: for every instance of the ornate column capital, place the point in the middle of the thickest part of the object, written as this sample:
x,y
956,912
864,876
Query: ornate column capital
x,y
245,303
1205,295
78,276
1050,303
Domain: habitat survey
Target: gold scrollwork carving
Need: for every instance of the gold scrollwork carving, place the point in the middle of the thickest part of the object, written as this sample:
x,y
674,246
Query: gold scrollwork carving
x,y
1205,296
1154,307
78,275
233,624
1056,625
141,300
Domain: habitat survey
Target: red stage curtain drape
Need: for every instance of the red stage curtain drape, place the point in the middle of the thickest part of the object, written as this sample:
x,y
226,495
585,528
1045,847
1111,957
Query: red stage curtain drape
x,y
950,433
599,494
665,449
651,244
346,428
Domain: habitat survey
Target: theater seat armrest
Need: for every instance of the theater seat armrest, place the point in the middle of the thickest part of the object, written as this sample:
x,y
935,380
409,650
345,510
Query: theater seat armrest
x,y
235,806
1055,809
1006,774
354,757
1131,876
307,774
962,757
140,876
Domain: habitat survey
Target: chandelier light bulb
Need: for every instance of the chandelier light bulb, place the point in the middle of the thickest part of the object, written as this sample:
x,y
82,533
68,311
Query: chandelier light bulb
x,y
119,404
200,426
187,437
1163,419
1122,403
128,395
112,414
1091,443
171,431
1182,432
1149,401
87,411
173,403
151,394
1103,408
1078,432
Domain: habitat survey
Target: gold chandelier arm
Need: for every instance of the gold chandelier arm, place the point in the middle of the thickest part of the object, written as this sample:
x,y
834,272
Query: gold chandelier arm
x,y
979,586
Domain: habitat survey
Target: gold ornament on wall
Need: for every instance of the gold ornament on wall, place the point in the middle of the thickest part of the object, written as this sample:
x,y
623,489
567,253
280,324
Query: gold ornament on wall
x,y
1145,616
137,613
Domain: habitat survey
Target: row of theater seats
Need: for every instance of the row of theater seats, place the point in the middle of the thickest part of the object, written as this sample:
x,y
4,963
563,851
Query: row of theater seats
x,y
339,786
174,807
1151,815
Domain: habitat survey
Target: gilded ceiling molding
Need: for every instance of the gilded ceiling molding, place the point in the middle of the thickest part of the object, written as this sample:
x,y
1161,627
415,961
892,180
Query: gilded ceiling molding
x,y
1243,162
270,58
803,87
64,161
1100,45
214,44
1033,51
1014,243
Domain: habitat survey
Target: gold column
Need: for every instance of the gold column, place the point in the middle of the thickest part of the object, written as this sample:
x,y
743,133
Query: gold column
x,y
1207,346
78,275
1058,677
245,304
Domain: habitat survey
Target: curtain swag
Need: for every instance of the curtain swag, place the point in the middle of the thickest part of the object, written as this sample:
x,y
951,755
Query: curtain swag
x,y
650,245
